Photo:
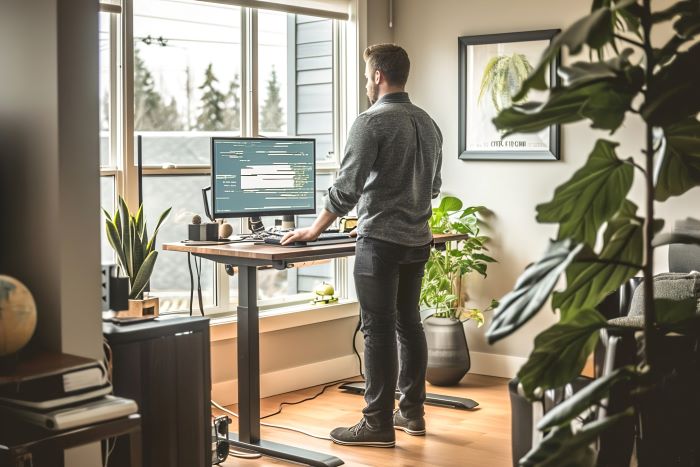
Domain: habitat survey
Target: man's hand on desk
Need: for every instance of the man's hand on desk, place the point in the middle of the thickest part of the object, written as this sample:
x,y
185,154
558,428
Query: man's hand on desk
x,y
308,234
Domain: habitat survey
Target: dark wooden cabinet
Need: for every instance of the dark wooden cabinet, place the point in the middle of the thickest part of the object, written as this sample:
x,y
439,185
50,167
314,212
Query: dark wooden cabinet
x,y
164,366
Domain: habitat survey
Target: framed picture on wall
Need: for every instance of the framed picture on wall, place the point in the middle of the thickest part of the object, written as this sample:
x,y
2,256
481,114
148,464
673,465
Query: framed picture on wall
x,y
492,68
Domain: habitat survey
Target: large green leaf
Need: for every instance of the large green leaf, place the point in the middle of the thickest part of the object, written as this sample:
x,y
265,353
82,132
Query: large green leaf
x,y
585,72
124,217
450,203
593,195
562,448
143,275
561,351
673,93
550,451
590,278
532,290
594,30
138,250
678,167
108,216
138,219
115,242
603,97
152,242
128,242
571,408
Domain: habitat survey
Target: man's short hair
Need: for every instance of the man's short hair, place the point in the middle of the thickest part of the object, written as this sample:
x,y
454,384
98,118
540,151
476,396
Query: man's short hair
x,y
391,60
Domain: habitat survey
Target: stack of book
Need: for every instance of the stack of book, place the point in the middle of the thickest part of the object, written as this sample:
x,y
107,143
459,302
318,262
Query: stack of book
x,y
60,391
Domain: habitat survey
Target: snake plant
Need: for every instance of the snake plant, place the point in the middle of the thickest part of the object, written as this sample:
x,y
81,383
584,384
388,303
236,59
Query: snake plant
x,y
136,253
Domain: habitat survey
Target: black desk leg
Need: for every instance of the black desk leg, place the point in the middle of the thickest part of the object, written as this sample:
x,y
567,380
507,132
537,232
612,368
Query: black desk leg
x,y
248,356
249,382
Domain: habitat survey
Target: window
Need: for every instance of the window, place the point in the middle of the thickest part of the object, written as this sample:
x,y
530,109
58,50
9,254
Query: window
x,y
200,70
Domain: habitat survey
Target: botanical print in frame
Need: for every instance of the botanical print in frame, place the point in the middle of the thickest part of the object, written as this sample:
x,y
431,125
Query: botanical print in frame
x,y
491,69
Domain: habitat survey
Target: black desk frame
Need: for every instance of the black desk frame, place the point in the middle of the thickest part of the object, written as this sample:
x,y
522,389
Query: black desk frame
x,y
248,436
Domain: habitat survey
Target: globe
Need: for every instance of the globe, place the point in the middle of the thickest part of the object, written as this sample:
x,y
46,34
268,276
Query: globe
x,y
17,315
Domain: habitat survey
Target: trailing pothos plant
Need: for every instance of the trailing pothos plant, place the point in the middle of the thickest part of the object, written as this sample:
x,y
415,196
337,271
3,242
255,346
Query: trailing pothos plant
x,y
602,239
445,269
136,252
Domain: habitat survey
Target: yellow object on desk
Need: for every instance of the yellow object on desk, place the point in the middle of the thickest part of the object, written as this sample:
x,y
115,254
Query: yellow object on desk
x,y
347,223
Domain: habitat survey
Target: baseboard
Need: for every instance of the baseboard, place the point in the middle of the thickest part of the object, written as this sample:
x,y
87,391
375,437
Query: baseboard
x,y
491,364
301,377
291,379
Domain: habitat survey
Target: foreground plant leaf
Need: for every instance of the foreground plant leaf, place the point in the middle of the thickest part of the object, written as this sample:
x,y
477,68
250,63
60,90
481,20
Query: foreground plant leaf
x,y
601,92
595,30
678,168
590,278
532,290
561,351
571,408
593,195
563,448
673,94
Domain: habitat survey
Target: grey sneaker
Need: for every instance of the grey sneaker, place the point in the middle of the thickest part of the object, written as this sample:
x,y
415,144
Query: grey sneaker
x,y
364,435
414,427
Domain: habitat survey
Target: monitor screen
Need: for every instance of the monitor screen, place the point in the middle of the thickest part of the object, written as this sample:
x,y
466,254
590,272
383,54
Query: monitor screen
x,y
263,176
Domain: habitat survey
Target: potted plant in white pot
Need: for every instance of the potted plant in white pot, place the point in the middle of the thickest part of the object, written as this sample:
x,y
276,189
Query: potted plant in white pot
x,y
443,296
136,255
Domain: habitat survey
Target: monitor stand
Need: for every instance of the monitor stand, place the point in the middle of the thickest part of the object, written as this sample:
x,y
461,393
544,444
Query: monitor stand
x,y
430,398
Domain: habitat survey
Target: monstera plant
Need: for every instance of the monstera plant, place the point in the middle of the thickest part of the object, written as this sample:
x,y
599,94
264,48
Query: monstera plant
x,y
603,238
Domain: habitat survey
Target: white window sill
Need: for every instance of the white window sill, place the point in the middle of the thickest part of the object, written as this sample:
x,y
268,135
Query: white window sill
x,y
226,327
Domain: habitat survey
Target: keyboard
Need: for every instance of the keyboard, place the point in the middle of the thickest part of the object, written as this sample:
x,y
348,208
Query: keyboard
x,y
326,238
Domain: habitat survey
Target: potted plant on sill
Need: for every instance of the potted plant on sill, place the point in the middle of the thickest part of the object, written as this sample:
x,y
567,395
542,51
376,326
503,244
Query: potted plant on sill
x,y
442,292
657,84
136,255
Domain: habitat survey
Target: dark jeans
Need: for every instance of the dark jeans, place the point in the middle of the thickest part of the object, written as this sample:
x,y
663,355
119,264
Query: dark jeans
x,y
388,280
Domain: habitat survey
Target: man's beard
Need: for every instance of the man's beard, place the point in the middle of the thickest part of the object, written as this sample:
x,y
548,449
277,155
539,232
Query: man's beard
x,y
373,94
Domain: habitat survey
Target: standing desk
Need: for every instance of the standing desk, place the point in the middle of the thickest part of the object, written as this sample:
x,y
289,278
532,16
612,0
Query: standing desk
x,y
248,257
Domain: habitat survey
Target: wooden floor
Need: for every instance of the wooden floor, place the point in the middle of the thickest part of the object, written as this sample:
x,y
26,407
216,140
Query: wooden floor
x,y
480,437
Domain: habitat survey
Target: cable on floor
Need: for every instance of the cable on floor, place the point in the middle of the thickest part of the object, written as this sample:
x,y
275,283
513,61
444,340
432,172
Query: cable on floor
x,y
279,410
249,454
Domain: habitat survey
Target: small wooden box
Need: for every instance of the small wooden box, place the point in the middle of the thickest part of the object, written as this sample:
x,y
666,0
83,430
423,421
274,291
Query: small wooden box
x,y
139,308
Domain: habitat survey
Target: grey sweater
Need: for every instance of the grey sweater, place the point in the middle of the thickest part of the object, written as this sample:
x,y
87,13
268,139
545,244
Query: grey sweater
x,y
391,171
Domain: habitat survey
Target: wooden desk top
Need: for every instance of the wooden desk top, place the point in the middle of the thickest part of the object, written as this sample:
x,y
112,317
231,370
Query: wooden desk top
x,y
272,253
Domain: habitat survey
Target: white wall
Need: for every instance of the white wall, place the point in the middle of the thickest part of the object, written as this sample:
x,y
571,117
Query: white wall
x,y
49,171
429,32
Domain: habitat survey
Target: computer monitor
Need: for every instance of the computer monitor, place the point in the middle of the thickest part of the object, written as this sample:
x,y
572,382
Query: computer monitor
x,y
253,177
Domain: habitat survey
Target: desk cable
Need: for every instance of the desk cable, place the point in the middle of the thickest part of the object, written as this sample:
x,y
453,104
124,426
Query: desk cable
x,y
246,454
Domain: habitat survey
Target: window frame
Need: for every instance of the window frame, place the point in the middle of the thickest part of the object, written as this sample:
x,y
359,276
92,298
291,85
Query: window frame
x,y
122,135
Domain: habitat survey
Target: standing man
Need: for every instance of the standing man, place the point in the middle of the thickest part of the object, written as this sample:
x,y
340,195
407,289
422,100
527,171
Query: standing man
x,y
391,171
